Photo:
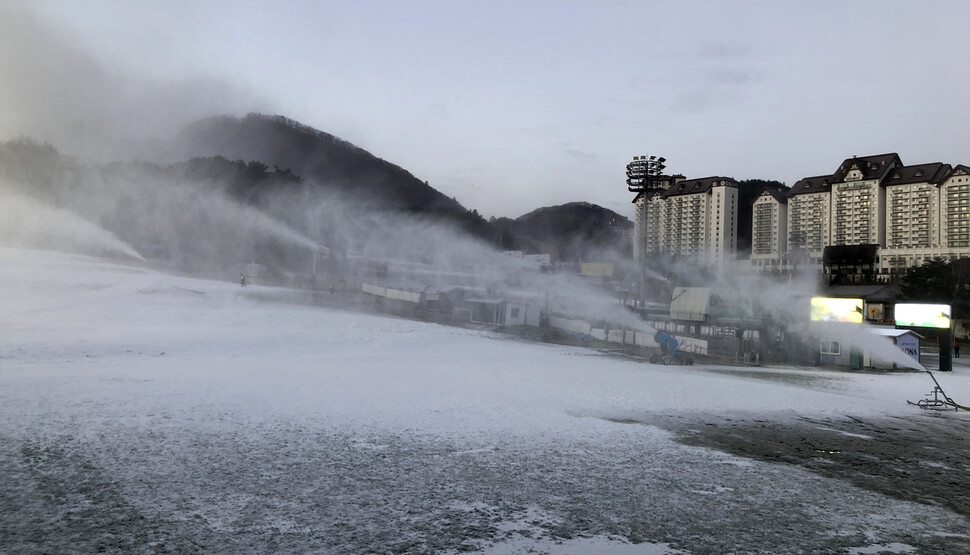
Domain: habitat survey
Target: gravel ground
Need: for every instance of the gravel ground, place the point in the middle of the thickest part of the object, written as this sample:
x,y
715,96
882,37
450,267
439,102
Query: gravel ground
x,y
220,483
922,456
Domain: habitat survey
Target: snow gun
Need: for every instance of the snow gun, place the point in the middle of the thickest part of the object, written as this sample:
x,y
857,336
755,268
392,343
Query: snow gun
x,y
669,350
938,399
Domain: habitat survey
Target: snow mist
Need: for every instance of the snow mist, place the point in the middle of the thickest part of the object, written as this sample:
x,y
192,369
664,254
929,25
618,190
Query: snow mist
x,y
30,223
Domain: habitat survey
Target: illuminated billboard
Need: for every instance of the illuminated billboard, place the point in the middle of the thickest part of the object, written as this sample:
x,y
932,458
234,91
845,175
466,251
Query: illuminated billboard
x,y
830,309
923,315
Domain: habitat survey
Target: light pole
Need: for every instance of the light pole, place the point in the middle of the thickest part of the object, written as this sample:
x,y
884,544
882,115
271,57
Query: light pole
x,y
644,175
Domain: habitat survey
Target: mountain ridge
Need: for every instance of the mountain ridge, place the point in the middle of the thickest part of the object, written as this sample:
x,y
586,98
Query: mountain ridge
x,y
334,164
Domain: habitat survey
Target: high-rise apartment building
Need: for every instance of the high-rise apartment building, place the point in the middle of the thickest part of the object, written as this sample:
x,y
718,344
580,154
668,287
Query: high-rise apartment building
x,y
955,209
809,207
912,214
692,219
858,209
769,228
647,217
905,214
908,214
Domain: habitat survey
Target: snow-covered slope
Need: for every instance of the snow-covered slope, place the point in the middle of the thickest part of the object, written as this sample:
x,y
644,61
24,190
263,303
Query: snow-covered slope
x,y
220,419
73,313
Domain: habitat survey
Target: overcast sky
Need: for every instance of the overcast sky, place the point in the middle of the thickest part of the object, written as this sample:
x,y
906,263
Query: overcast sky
x,y
509,106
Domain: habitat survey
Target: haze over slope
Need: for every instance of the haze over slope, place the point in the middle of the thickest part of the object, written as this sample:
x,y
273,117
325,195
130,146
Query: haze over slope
x,y
327,163
577,231
54,90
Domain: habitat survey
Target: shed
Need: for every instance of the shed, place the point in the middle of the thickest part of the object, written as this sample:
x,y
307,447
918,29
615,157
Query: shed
x,y
522,314
486,311
856,352
690,303
906,340
442,298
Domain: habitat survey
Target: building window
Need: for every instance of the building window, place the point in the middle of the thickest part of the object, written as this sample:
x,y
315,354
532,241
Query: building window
x,y
830,347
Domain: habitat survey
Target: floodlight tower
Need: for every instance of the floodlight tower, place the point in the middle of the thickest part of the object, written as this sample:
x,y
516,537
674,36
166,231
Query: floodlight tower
x,y
644,176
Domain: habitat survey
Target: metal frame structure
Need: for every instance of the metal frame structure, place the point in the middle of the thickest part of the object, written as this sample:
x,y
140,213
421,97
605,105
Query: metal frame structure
x,y
643,173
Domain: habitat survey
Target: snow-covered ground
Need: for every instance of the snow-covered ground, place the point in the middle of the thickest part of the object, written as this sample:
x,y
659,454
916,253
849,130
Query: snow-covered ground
x,y
143,412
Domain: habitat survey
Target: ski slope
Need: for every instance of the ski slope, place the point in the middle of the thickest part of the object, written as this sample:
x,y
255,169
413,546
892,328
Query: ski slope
x,y
141,411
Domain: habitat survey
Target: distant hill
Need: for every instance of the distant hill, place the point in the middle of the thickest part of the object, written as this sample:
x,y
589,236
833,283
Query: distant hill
x,y
279,166
326,163
575,231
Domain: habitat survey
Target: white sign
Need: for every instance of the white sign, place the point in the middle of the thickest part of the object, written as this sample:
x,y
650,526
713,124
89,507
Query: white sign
x,y
909,344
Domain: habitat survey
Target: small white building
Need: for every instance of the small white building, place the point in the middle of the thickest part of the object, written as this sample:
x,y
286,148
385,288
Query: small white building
x,y
484,310
906,340
502,312
522,314
837,350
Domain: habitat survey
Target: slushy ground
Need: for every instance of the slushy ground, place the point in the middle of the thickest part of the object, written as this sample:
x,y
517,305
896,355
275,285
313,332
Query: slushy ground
x,y
144,413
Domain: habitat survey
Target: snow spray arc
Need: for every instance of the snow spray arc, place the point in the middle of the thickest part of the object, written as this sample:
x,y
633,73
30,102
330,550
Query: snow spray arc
x,y
27,222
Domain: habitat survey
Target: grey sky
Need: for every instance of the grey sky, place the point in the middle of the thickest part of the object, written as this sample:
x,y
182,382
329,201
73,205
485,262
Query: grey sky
x,y
509,106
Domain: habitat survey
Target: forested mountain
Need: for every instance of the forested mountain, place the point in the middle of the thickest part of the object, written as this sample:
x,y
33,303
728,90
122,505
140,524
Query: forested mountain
x,y
326,163
329,163
573,231
311,181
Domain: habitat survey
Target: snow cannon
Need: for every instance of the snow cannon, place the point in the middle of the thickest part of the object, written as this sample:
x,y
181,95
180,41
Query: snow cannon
x,y
669,350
